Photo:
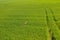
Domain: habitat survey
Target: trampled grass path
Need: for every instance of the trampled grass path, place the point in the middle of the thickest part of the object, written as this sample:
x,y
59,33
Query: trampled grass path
x,y
54,33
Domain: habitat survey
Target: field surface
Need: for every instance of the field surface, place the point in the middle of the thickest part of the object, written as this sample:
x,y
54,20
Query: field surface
x,y
29,20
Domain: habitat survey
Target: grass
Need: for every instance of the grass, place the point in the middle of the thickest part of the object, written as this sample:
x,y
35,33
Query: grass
x,y
51,21
41,21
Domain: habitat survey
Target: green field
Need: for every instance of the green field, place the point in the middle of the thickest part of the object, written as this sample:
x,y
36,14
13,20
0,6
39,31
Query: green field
x,y
29,20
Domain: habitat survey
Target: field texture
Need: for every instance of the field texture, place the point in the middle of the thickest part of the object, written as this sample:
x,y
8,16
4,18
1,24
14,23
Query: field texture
x,y
29,20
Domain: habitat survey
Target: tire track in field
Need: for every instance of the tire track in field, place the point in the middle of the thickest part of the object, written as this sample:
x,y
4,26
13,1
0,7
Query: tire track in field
x,y
51,22
54,18
49,34
57,27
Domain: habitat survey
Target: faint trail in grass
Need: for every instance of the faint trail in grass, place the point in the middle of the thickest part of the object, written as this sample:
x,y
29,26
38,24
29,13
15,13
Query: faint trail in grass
x,y
54,37
51,22
46,17
54,17
49,34
52,14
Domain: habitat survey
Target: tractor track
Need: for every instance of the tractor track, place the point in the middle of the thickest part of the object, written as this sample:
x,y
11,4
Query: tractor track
x,y
49,34
50,23
54,18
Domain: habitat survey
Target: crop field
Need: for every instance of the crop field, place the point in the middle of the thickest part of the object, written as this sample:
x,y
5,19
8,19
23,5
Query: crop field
x,y
29,20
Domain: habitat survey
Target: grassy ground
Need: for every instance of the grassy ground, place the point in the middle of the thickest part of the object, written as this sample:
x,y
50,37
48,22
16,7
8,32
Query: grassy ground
x,y
29,20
